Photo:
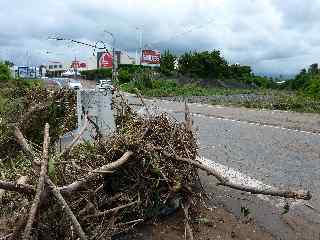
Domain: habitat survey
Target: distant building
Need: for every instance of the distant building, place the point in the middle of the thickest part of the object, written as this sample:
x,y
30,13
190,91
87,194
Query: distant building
x,y
55,69
58,69
122,58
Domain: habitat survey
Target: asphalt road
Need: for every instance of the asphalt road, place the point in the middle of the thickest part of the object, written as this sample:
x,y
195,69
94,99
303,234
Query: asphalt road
x,y
280,149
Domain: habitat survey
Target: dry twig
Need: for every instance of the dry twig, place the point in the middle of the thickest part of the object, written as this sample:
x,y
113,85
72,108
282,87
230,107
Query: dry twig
x,y
64,205
41,185
301,194
75,186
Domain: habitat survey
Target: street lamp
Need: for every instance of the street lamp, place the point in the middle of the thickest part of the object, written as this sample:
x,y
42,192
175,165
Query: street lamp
x,y
114,67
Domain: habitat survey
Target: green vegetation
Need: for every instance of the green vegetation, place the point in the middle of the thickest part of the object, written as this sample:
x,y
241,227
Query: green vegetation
x,y
306,82
276,100
163,88
212,66
97,74
26,104
167,63
4,72
209,74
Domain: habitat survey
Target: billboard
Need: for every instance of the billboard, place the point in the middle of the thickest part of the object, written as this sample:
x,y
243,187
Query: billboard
x,y
150,57
27,72
78,64
104,60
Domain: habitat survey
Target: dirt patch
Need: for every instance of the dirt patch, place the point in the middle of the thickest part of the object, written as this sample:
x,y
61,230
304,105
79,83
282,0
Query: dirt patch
x,y
215,223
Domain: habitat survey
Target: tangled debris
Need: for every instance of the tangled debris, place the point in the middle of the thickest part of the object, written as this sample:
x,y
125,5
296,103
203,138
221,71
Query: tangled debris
x,y
96,190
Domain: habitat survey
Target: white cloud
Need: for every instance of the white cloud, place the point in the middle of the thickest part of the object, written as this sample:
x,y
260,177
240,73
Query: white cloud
x,y
272,35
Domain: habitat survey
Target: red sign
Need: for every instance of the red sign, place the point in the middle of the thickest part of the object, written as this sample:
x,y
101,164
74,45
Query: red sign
x,y
105,60
150,57
78,64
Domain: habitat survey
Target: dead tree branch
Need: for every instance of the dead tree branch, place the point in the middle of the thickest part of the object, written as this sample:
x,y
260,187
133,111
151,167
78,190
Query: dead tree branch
x,y
301,194
17,187
185,208
75,186
143,102
116,209
76,139
41,184
187,117
21,180
25,146
99,134
64,205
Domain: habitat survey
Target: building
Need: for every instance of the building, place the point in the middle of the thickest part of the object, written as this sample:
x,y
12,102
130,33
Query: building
x,y
122,58
55,69
59,68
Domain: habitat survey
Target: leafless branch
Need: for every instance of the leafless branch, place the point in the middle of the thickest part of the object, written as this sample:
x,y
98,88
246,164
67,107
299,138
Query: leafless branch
x,y
25,146
143,102
76,139
301,194
75,186
66,208
17,187
41,185
187,117
185,208
116,209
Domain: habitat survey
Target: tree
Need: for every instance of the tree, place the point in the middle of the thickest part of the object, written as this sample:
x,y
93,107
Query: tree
x,y
8,63
167,63
204,65
4,72
124,76
313,69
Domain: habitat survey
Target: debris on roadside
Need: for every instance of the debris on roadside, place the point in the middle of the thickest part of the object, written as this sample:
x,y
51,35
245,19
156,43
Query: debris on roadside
x,y
145,170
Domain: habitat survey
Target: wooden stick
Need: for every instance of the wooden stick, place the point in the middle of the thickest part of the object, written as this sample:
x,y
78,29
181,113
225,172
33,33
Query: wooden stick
x,y
100,214
76,139
17,187
64,205
143,102
25,146
9,236
99,134
75,186
185,208
41,185
187,117
21,180
300,194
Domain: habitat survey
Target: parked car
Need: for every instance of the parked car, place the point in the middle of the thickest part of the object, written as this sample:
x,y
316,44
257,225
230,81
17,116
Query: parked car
x,y
75,84
105,84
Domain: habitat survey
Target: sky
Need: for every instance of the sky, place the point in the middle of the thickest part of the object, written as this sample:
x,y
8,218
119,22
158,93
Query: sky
x,y
272,36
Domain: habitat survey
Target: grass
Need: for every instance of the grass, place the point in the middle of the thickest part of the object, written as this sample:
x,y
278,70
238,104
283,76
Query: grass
x,y
170,88
276,100
285,102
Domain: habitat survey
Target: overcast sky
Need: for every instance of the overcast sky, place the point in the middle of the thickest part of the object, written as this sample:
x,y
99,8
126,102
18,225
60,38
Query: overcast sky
x,y
273,36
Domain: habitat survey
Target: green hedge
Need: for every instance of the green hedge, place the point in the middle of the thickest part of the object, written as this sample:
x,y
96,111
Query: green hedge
x,y
97,74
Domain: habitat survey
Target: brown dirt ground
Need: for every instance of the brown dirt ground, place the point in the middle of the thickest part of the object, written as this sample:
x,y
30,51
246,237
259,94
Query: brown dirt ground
x,y
216,224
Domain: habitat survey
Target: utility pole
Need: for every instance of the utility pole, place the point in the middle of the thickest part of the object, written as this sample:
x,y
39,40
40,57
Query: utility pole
x,y
114,65
139,35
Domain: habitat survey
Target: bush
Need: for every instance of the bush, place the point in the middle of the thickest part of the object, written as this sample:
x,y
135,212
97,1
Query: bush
x,y
97,74
124,76
314,88
4,72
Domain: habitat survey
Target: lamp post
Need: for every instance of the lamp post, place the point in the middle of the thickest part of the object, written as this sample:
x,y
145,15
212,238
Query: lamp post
x,y
114,67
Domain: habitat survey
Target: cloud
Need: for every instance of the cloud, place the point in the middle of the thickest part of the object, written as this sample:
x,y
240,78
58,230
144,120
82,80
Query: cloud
x,y
265,34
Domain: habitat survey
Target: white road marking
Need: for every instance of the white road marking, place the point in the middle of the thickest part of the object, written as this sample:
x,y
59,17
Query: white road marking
x,y
243,121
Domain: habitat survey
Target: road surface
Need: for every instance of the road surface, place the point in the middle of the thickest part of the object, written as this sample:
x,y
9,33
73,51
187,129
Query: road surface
x,y
271,147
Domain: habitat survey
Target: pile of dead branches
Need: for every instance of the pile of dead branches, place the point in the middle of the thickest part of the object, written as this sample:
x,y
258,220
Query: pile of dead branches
x,y
97,189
